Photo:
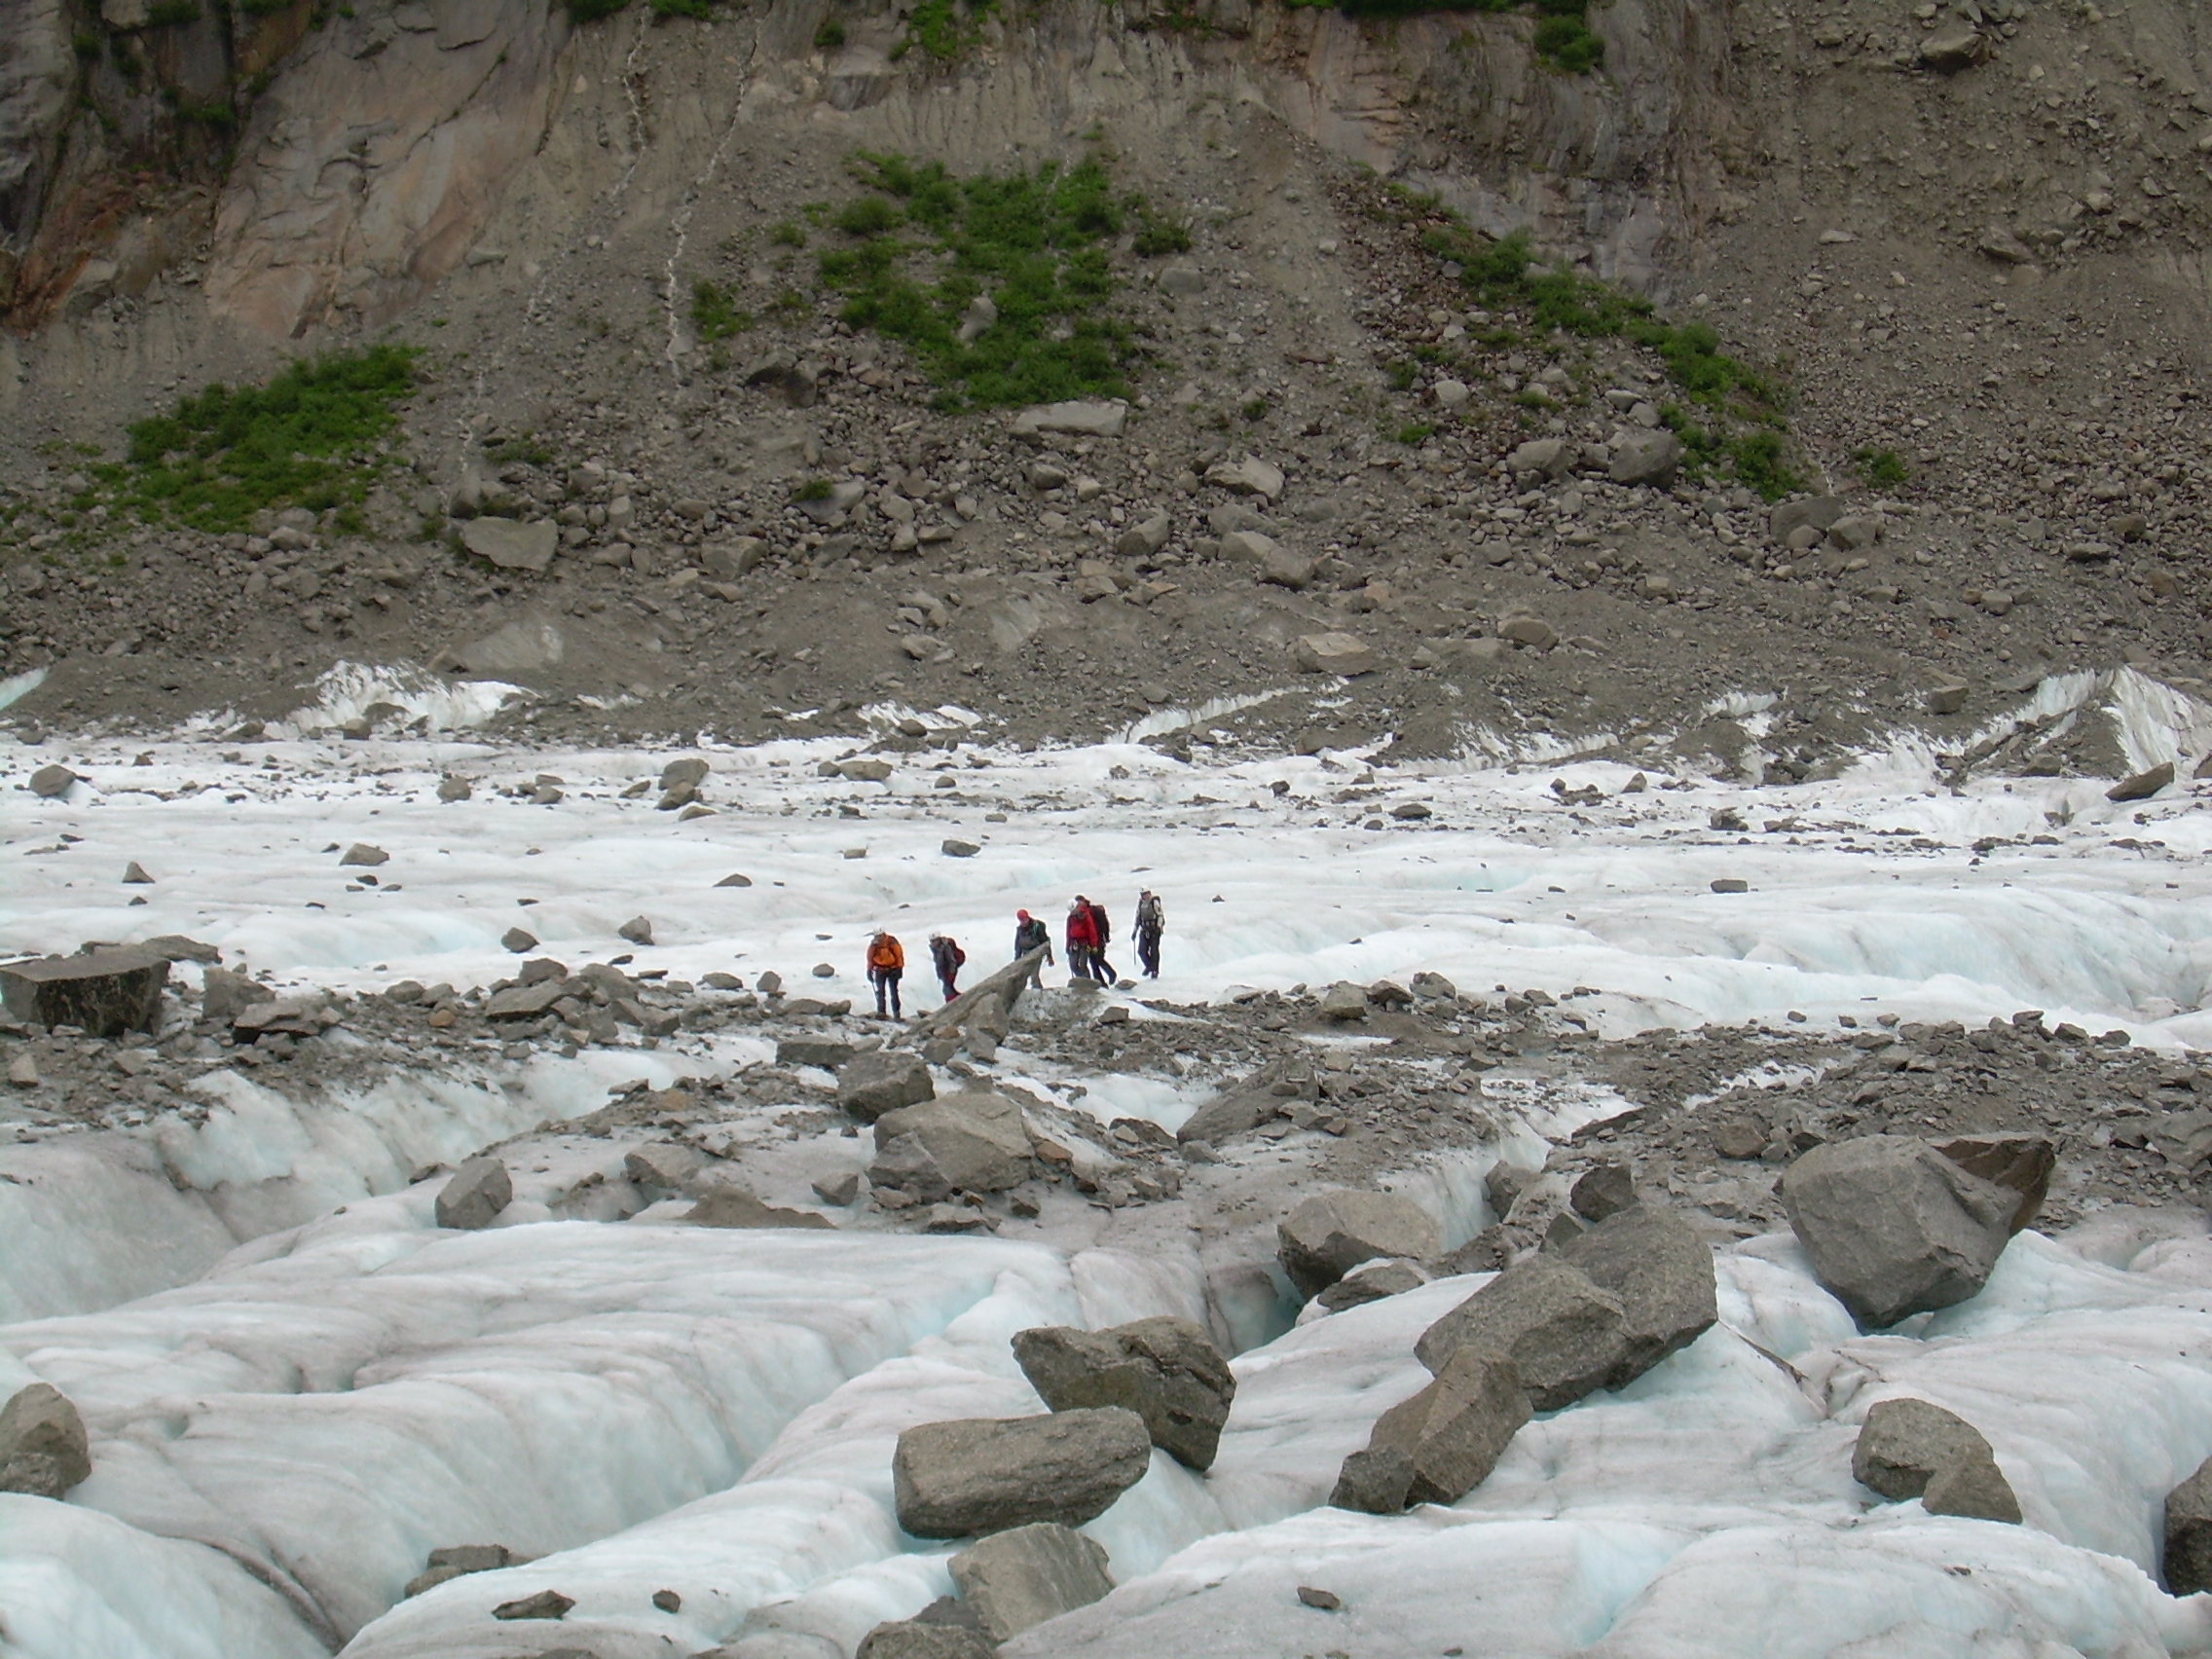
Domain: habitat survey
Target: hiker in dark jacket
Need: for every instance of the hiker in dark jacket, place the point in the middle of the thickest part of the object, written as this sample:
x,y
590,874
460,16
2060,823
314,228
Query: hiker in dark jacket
x,y
1030,933
946,957
1101,970
1082,939
1152,922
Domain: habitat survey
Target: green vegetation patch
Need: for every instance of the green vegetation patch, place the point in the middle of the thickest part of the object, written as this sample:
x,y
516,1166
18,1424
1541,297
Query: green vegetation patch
x,y
943,29
919,251
314,438
1729,416
1884,468
713,315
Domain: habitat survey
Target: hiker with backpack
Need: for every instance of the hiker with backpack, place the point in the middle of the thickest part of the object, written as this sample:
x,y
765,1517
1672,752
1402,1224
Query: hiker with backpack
x,y
946,957
1101,970
1082,939
1152,922
1030,933
886,962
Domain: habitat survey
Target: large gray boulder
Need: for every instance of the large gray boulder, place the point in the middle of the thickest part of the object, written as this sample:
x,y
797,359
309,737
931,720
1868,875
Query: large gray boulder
x,y
474,1196
975,1140
1165,1370
103,992
1022,1578
1646,458
1895,1227
1330,1233
1566,1336
43,1446
1446,1439
1661,1271
976,1475
2188,1560
1916,1449
510,545
883,1080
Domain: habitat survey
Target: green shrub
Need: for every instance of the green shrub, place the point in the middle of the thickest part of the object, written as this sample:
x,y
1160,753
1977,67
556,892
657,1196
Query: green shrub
x,y
1035,243
264,8
867,216
1567,45
813,490
831,35
168,14
1156,234
1884,468
944,28
701,9
87,45
312,437
787,233
1415,432
590,11
711,313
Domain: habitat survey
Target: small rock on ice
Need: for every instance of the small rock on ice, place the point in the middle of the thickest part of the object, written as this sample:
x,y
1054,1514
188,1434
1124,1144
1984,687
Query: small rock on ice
x,y
976,1475
1023,1576
480,1189
43,1446
1166,1370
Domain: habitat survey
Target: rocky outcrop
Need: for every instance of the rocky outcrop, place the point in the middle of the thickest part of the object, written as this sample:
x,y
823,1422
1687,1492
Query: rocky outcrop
x,y
1165,1370
1915,1449
976,1475
1441,1443
1327,1235
479,1191
1022,1578
1564,1335
1895,1227
43,1446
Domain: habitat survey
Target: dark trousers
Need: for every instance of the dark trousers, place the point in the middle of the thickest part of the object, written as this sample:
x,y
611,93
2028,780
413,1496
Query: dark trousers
x,y
886,985
1102,970
1147,951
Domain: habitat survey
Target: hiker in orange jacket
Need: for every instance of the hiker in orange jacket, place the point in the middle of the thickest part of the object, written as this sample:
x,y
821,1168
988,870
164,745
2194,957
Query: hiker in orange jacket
x,y
886,962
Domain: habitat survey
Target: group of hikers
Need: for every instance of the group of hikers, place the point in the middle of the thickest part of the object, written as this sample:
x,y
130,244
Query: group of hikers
x,y
1088,933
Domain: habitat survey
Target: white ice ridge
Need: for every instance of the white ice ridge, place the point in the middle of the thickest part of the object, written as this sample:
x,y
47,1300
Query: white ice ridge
x,y
671,1409
329,1412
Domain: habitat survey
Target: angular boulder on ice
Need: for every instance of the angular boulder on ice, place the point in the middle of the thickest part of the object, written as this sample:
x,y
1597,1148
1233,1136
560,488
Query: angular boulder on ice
x,y
1661,1271
1895,1227
975,1140
43,1446
1022,1578
1916,1449
104,992
1330,1233
478,1192
1566,1335
734,1206
977,1475
2188,1558
1446,1438
1165,1370
667,1164
883,1080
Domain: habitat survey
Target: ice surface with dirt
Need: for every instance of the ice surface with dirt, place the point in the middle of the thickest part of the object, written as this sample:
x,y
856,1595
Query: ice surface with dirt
x,y
297,1384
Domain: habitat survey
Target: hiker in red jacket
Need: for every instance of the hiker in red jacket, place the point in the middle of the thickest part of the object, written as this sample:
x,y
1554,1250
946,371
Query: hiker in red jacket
x,y
946,957
1082,939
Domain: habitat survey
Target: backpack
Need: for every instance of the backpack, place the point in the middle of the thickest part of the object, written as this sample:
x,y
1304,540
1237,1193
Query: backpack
x,y
1099,920
1149,916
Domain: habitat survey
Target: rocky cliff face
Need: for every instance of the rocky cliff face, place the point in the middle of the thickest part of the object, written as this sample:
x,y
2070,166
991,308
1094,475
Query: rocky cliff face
x,y
312,170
